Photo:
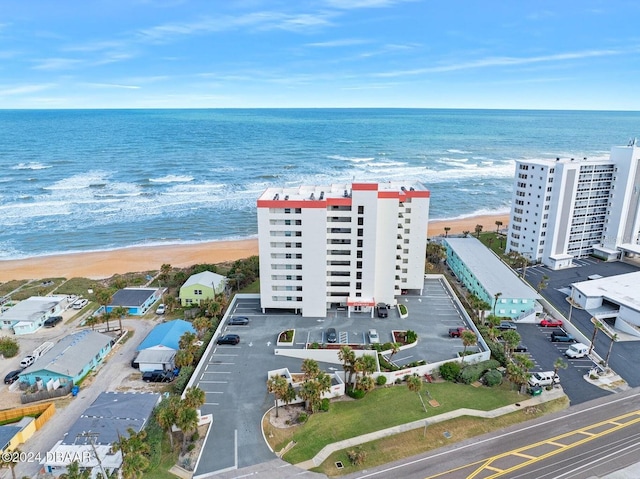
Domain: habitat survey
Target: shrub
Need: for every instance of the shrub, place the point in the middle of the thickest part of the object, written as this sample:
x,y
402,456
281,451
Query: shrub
x,y
195,436
357,456
324,405
302,417
286,336
355,393
315,345
402,308
182,379
473,372
9,347
386,365
492,378
411,336
381,380
191,447
450,371
497,352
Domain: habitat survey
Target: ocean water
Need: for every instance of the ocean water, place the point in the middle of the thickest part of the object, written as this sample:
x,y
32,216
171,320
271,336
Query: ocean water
x,y
86,180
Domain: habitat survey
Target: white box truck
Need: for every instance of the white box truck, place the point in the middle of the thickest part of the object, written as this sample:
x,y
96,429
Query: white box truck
x,y
577,350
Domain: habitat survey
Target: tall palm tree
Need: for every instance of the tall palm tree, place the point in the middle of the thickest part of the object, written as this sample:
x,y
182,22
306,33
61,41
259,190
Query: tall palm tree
x,y
543,283
614,338
478,230
187,342
511,338
348,357
498,225
310,368
496,297
469,338
201,325
165,271
187,421
446,231
166,415
279,387
103,297
194,397
414,383
183,358
74,472
597,325
559,364
135,453
119,312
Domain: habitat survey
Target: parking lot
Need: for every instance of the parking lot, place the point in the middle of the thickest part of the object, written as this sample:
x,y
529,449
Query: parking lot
x,y
625,355
234,376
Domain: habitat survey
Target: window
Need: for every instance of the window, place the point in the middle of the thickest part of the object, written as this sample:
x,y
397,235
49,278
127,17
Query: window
x,y
359,275
360,232
359,264
360,210
360,221
359,254
358,285
188,301
359,244
197,292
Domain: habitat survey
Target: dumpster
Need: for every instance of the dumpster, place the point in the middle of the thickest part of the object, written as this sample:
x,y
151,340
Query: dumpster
x,y
535,390
75,390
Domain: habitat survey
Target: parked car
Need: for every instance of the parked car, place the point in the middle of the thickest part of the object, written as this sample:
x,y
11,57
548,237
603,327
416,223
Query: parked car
x,y
507,326
27,361
161,309
332,336
383,310
229,339
373,336
239,321
577,350
158,376
561,336
456,332
80,303
551,323
544,378
51,321
520,348
12,377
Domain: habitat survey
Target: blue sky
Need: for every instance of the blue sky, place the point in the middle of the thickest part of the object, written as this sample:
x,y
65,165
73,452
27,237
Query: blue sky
x,y
561,54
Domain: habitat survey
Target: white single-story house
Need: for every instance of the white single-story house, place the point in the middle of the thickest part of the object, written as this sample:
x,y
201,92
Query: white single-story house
x,y
29,315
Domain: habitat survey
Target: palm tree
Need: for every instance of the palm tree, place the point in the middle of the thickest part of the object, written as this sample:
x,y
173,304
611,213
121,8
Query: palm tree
x,y
498,225
543,282
105,317
310,368
478,230
414,383
165,270
74,472
465,233
166,414
187,421
446,231
469,338
135,453
119,312
524,363
279,387
395,349
366,383
519,261
313,388
559,364
170,302
10,460
614,338
103,296
194,397
187,342
183,358
348,357
512,339
596,326
92,321
201,325
496,297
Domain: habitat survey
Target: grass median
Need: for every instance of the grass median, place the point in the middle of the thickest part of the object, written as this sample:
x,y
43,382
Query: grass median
x,y
383,408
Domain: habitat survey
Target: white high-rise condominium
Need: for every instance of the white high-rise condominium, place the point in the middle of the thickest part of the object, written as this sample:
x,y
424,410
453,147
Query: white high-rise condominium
x,y
349,246
571,208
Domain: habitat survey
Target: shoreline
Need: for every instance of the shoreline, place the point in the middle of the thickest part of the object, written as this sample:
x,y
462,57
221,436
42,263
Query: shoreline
x,y
104,264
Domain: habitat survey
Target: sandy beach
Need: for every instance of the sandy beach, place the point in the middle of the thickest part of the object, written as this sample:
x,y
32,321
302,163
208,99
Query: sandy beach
x,y
104,264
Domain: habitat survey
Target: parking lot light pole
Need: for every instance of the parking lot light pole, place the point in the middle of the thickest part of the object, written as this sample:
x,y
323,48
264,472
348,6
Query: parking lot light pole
x,y
570,305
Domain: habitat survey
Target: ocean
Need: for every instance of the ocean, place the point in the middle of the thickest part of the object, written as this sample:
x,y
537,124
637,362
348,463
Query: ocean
x,y
88,180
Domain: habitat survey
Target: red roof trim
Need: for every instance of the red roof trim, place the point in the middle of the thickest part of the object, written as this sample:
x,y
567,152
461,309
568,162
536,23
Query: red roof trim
x,y
418,194
291,204
389,194
364,186
339,201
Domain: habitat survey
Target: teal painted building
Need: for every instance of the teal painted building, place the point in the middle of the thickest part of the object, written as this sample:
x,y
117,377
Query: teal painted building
x,y
70,359
485,275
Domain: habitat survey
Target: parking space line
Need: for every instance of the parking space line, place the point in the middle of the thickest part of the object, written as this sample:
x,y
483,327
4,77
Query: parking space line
x,y
214,392
214,382
212,404
216,372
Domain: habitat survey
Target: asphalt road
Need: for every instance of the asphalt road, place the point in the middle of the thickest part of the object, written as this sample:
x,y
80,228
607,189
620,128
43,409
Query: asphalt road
x,y
589,440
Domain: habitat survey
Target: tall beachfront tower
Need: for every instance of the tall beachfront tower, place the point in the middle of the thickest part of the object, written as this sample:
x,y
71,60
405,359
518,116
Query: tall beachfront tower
x,y
572,208
348,245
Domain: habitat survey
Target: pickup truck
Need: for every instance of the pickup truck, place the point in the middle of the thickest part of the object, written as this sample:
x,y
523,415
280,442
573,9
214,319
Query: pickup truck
x,y
562,336
456,332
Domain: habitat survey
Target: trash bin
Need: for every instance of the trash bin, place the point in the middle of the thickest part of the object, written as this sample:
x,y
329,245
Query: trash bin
x,y
535,390
74,390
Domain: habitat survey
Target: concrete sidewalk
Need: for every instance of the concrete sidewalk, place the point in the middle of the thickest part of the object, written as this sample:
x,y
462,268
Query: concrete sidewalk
x,y
555,393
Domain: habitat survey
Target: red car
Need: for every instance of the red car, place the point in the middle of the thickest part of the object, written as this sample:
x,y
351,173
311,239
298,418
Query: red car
x,y
551,323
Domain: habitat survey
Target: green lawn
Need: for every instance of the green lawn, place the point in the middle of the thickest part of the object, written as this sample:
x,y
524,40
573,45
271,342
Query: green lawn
x,y
251,289
387,407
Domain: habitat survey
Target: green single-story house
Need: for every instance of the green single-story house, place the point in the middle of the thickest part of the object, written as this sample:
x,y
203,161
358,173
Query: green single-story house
x,y
201,286
69,360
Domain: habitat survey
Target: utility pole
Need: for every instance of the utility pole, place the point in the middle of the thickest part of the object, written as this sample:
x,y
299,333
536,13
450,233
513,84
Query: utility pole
x,y
91,436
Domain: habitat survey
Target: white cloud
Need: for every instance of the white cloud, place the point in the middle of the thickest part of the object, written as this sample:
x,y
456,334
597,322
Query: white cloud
x,y
111,85
56,64
23,89
346,42
353,4
503,61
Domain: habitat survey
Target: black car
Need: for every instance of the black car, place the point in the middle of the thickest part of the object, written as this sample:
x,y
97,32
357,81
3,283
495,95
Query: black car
x,y
158,376
12,377
51,321
239,321
229,339
383,310
520,348
332,336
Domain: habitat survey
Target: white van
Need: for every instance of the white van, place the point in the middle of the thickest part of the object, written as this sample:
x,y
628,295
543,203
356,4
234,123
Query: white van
x,y
543,378
577,350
